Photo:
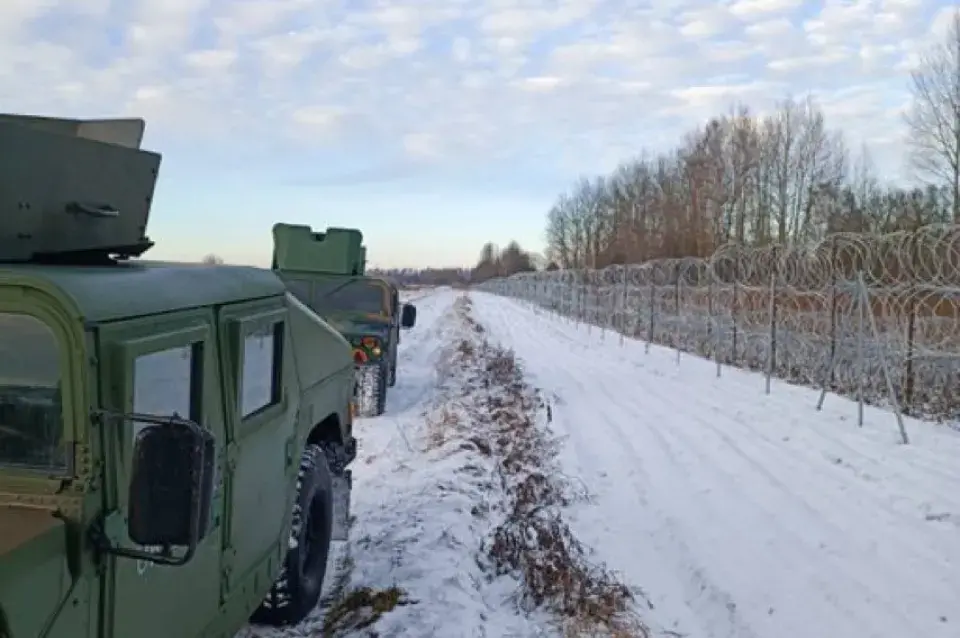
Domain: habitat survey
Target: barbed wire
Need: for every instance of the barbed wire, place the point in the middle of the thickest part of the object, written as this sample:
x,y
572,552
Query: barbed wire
x,y
844,314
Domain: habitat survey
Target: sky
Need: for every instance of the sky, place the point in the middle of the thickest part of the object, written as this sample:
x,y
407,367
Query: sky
x,y
437,125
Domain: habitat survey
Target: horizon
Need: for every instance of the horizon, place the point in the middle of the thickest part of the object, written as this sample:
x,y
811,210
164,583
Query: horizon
x,y
436,127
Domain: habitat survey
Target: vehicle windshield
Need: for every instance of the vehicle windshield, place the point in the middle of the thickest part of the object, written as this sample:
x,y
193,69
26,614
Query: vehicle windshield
x,y
31,417
332,296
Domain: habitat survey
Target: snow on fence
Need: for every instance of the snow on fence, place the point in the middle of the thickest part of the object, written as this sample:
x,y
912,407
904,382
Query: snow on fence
x,y
874,317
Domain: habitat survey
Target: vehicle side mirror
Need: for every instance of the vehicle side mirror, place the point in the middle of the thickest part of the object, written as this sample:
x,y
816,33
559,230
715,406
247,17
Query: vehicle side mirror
x,y
171,486
408,316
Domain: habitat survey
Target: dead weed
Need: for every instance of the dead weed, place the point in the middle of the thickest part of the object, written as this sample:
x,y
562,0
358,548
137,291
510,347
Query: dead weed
x,y
463,305
361,608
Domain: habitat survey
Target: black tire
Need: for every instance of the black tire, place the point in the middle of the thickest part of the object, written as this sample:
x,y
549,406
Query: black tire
x,y
382,374
392,379
297,590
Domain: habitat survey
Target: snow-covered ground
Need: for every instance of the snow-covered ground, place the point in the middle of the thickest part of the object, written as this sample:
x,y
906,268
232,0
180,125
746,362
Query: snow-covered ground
x,y
739,514
743,514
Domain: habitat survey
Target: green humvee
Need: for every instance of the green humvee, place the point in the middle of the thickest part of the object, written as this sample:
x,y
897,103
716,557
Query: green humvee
x,y
326,272
173,437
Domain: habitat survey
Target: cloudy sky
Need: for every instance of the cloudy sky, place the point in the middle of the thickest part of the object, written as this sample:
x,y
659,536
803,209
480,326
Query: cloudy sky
x,y
434,125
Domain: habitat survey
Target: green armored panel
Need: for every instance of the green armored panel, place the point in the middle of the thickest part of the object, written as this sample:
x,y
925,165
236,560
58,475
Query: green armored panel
x,y
337,251
62,192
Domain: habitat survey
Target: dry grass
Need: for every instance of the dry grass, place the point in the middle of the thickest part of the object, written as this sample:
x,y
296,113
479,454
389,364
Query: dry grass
x,y
533,542
361,608
347,610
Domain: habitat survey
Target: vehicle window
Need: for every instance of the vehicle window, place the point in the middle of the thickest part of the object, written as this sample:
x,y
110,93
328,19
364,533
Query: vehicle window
x,y
262,368
358,296
169,382
31,414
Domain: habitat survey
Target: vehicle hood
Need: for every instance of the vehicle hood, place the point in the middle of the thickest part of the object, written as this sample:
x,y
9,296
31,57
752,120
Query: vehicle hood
x,y
359,324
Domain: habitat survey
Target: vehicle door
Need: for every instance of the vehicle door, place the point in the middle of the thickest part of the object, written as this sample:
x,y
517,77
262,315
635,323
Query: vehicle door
x,y
262,460
160,366
41,427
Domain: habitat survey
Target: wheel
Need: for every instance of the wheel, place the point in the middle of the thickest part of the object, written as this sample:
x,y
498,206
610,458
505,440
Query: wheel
x,y
382,378
392,379
370,391
297,590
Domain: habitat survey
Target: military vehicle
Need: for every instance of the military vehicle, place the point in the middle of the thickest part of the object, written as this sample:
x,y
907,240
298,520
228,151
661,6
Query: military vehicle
x,y
174,438
327,272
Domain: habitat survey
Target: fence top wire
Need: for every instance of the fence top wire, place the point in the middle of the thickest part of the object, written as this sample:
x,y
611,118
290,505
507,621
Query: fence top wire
x,y
929,256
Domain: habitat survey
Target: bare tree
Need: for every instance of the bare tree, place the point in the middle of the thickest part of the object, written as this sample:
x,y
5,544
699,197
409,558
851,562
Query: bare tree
x,y
558,232
934,116
212,260
514,259
494,262
781,177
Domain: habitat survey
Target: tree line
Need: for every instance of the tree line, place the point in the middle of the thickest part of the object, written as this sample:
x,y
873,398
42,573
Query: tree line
x,y
785,178
494,262
423,276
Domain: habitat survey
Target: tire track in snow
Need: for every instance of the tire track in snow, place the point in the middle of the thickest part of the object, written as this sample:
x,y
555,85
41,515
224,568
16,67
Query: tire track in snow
x,y
901,468
774,526
824,467
753,512
831,494
811,461
784,398
857,586
712,611
814,516
925,558
817,463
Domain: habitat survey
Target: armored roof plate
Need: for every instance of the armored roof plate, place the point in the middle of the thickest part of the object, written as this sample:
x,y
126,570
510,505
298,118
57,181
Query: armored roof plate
x,y
126,132
74,190
141,288
337,251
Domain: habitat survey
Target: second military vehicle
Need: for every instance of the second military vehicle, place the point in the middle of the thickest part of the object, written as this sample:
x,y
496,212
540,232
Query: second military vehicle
x,y
174,438
326,271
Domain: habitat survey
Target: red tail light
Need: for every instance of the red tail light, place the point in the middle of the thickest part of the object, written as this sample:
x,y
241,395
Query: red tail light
x,y
359,356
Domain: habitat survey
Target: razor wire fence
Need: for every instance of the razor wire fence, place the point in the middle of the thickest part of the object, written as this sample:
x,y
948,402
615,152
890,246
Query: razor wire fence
x,y
873,317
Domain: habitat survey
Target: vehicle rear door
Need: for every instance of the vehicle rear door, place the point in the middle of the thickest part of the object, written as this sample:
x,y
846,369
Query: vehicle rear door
x,y
262,460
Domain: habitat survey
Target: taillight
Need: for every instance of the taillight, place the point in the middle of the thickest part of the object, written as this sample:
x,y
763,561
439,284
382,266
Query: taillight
x,y
359,356
370,342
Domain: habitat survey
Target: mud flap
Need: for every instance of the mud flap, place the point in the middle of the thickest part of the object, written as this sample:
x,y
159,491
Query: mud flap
x,y
342,485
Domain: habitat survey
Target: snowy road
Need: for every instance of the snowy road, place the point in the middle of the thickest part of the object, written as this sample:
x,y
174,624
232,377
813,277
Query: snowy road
x,y
740,514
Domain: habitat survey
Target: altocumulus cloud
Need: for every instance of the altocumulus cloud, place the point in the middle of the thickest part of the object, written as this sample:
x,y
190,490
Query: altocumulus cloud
x,y
581,83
